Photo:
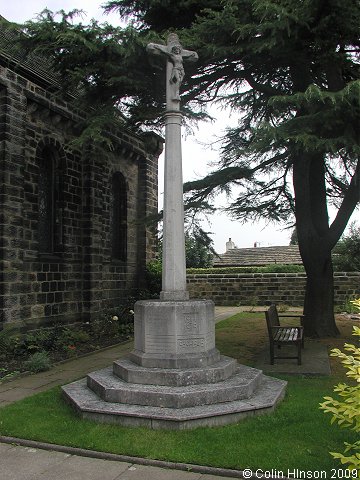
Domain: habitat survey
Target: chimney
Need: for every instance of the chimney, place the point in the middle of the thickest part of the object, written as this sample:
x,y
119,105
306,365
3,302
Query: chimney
x,y
230,245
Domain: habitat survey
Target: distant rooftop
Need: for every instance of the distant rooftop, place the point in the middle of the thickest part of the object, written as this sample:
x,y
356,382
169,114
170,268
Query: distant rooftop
x,y
241,257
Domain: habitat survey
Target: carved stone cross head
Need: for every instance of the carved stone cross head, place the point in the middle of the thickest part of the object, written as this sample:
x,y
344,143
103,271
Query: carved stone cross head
x,y
175,56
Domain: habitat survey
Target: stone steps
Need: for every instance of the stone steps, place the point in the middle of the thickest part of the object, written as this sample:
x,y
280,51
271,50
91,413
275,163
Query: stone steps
x,y
133,373
175,378
105,397
90,406
112,389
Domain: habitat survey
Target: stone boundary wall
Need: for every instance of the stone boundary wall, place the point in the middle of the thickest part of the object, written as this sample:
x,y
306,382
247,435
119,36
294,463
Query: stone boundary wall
x,y
265,288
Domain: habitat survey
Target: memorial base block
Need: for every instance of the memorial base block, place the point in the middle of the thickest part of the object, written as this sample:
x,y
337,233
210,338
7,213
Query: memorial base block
x,y
174,334
174,378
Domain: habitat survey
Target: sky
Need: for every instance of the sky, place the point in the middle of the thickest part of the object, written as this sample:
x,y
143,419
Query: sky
x,y
196,157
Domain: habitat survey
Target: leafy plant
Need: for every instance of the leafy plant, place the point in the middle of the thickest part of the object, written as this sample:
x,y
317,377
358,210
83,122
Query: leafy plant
x,y
43,339
5,336
252,301
49,339
282,307
348,306
346,255
6,375
126,331
38,362
153,276
71,336
356,303
346,410
116,323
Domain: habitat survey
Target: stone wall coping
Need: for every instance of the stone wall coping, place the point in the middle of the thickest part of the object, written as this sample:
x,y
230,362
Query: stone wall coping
x,y
263,275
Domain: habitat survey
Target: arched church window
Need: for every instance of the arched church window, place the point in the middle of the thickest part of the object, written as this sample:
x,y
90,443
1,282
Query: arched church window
x,y
49,221
119,217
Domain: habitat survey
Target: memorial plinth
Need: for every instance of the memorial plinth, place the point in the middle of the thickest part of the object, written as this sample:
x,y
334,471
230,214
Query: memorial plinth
x,y
174,334
175,378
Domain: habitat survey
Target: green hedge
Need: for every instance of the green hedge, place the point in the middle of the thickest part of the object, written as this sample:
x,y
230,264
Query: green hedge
x,y
275,268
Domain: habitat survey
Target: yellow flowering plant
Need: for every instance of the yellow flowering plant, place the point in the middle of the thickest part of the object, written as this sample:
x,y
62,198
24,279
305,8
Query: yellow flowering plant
x,y
346,410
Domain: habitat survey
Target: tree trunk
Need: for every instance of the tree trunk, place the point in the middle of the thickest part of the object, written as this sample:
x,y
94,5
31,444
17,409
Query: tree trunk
x,y
314,244
315,236
319,298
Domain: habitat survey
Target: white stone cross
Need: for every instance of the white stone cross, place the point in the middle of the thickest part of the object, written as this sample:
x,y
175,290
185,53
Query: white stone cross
x,y
174,263
175,56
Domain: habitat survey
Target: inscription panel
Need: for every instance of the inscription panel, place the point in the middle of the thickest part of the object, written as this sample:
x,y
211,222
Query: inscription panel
x,y
186,345
180,328
191,324
159,333
159,344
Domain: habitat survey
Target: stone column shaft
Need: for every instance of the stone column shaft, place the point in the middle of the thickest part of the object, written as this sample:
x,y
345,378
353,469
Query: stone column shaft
x,y
174,263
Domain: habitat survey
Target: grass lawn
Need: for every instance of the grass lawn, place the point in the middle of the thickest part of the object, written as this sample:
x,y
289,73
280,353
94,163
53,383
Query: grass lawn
x,y
296,435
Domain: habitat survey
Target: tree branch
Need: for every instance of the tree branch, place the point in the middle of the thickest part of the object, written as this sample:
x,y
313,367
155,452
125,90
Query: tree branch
x,y
351,199
216,179
260,87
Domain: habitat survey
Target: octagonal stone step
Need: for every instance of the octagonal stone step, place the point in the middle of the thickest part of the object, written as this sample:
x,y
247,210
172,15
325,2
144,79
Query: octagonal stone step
x,y
115,390
89,406
133,373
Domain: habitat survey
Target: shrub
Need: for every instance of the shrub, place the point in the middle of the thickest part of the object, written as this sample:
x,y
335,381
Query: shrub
x,y
348,306
346,410
116,322
5,338
126,331
70,336
43,339
282,307
49,339
38,362
356,303
153,277
346,254
275,268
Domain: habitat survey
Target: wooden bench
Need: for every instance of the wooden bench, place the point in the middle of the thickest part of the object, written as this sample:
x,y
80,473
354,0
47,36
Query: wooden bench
x,y
283,335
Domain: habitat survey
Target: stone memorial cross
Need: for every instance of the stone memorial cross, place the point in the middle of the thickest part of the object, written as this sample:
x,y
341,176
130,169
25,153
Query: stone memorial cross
x,y
174,264
174,378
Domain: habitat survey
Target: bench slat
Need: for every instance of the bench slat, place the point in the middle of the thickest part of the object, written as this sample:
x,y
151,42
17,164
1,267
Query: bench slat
x,y
286,334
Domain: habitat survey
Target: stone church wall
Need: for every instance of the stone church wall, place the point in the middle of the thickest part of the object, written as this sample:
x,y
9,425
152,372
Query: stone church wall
x,y
79,279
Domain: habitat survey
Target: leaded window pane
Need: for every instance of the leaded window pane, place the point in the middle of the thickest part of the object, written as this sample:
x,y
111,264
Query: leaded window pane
x,y
119,217
46,202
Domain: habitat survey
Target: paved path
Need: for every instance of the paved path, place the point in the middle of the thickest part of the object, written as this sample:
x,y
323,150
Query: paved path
x,y
30,463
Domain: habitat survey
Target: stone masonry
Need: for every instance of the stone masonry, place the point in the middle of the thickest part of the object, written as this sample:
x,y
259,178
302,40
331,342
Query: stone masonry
x,y
265,288
79,278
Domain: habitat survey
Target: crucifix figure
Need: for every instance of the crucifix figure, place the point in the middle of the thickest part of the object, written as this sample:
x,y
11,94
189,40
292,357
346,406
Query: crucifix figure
x,y
174,264
175,56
